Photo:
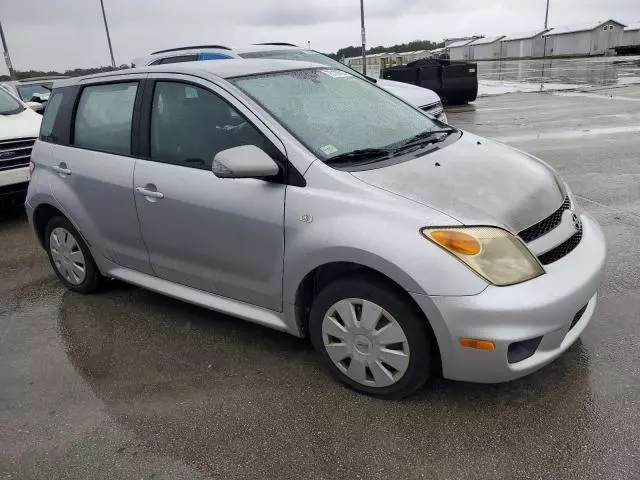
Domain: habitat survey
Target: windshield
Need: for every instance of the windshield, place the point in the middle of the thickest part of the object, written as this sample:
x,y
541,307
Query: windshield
x,y
39,89
8,104
333,112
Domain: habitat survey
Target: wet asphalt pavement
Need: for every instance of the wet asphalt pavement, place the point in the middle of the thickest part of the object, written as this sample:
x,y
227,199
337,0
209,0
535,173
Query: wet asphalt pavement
x,y
129,384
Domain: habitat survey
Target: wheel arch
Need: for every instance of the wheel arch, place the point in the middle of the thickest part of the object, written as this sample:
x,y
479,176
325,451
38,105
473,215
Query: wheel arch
x,y
322,275
42,214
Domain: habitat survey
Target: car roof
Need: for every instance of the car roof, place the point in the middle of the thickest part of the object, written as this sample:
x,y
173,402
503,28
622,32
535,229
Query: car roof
x,y
41,79
222,68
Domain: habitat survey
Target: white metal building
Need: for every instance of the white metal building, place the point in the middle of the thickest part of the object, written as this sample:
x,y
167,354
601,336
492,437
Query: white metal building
x,y
485,48
594,38
413,56
459,50
523,45
631,35
375,62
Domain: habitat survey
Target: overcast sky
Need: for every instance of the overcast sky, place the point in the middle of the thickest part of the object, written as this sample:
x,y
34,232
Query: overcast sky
x,y
62,34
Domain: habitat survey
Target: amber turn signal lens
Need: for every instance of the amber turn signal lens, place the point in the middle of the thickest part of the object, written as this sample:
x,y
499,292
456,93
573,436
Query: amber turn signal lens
x,y
456,241
477,344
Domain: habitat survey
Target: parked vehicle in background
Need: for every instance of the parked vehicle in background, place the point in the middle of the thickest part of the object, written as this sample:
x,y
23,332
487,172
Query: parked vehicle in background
x,y
308,200
186,54
19,126
422,98
32,90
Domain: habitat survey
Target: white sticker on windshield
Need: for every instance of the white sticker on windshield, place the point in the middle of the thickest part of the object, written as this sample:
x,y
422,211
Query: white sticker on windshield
x,y
336,73
329,149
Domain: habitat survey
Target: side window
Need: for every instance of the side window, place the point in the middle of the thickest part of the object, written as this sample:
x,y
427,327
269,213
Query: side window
x,y
49,118
190,125
178,59
103,117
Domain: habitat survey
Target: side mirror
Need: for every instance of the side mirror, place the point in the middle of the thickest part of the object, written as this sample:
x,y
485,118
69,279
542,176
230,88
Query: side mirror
x,y
35,106
247,161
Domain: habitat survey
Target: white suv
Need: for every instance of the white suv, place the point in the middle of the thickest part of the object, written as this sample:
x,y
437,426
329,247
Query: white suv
x,y
19,127
422,98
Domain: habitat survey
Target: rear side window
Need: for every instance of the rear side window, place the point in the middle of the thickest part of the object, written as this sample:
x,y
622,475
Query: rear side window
x,y
103,118
50,115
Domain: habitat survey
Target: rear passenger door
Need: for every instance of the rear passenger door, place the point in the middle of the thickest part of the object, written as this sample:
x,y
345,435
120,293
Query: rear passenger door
x,y
222,236
93,169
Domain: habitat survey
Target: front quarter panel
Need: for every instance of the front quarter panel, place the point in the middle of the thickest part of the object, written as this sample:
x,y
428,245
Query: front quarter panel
x,y
337,218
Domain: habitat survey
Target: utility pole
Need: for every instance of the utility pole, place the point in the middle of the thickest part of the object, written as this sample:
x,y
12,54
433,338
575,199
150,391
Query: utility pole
x,y
7,58
364,39
546,17
106,27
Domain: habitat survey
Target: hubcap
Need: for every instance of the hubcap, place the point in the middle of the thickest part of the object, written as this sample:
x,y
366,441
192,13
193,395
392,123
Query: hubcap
x,y
67,256
365,342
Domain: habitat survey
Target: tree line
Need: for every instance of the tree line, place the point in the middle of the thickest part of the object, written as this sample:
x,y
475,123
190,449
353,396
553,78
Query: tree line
x,y
351,51
76,72
345,52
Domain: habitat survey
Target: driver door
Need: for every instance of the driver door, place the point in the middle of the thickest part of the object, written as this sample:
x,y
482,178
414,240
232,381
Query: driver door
x,y
222,236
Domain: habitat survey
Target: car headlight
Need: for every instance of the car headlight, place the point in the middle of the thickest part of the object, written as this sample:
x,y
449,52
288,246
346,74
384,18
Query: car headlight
x,y
494,254
572,197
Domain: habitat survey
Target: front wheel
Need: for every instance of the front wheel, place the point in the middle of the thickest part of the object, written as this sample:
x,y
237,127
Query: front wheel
x,y
371,338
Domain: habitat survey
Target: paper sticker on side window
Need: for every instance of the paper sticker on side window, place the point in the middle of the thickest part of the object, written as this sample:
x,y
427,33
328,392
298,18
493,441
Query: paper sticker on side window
x,y
336,73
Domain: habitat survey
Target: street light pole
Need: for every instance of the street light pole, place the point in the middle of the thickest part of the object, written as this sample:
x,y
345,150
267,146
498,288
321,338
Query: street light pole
x,y
364,39
546,17
7,58
106,27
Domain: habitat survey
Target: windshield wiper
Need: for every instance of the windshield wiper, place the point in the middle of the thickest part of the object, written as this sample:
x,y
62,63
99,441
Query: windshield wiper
x,y
426,137
360,154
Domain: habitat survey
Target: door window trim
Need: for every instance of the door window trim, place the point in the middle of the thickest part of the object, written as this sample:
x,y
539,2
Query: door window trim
x,y
289,175
134,131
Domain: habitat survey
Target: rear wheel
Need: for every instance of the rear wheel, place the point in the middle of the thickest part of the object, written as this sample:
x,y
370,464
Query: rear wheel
x,y
70,257
371,338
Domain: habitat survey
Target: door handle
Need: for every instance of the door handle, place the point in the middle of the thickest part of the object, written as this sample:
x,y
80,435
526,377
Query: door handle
x,y
61,169
145,192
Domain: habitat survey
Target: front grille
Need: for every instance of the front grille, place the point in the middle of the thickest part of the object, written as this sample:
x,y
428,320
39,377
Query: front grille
x,y
561,250
545,226
15,153
578,316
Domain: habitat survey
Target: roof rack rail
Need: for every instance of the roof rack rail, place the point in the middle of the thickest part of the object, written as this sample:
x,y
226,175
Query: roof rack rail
x,y
193,47
277,44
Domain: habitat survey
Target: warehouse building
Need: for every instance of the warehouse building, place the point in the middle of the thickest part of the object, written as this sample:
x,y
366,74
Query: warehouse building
x,y
460,50
594,38
376,62
485,48
523,45
631,35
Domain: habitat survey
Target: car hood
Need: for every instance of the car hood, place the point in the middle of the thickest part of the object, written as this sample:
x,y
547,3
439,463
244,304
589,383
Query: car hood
x,y
416,96
477,182
25,124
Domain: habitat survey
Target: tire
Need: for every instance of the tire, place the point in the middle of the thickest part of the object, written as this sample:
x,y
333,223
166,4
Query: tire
x,y
67,253
369,349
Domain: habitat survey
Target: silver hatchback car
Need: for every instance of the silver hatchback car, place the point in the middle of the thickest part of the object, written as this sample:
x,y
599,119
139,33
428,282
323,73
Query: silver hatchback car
x,y
311,201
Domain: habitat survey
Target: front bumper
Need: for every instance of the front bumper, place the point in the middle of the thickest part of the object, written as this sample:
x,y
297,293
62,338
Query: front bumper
x,y
543,307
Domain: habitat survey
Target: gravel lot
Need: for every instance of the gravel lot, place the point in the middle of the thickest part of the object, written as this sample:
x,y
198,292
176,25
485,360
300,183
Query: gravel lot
x,y
129,384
